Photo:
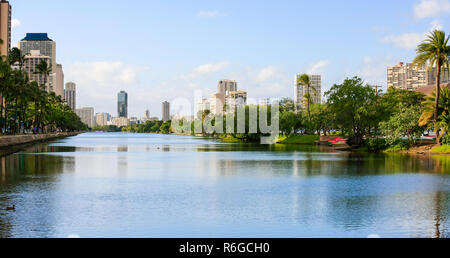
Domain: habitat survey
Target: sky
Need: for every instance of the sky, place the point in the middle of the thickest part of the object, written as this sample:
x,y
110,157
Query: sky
x,y
167,49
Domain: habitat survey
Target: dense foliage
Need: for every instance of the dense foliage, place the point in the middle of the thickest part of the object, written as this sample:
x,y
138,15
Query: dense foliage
x,y
27,106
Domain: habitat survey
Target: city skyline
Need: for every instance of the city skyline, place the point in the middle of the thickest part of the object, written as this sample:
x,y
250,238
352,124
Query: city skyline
x,y
258,57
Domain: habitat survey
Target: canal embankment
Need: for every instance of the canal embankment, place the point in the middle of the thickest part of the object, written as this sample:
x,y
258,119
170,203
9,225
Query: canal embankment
x,y
12,144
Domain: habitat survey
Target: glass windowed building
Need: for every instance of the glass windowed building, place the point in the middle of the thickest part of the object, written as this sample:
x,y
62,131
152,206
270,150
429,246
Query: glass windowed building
x,y
122,104
34,42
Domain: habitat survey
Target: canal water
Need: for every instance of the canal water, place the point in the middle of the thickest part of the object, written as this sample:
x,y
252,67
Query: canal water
x,y
139,185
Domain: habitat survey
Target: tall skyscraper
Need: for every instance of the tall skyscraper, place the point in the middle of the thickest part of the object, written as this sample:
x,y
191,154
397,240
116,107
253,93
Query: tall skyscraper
x,y
122,104
315,91
147,114
226,86
30,62
70,95
46,47
5,28
86,115
59,87
409,77
165,111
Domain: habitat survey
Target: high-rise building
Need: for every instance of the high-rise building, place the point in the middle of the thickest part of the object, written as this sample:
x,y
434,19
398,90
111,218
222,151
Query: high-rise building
x,y
147,114
102,119
121,121
122,104
264,102
315,90
202,105
46,47
235,100
5,27
409,77
70,95
226,86
86,115
165,111
31,60
59,87
217,103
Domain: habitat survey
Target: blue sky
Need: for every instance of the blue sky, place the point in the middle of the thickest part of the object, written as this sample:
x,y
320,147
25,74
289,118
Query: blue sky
x,y
161,50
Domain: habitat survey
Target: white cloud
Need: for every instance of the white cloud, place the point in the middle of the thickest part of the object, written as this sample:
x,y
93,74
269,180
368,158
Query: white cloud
x,y
411,40
15,23
205,69
210,68
431,8
436,25
373,70
318,67
105,73
208,14
266,73
99,82
407,40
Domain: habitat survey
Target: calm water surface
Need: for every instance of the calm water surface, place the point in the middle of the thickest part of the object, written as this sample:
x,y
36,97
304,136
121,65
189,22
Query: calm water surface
x,y
130,185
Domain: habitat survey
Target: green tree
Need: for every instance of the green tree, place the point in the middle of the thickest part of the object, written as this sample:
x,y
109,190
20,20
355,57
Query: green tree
x,y
355,108
403,123
429,110
434,51
166,127
287,104
289,122
16,57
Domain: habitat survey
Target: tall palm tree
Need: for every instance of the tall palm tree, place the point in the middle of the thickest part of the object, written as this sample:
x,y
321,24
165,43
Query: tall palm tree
x,y
434,51
44,69
305,80
5,91
16,57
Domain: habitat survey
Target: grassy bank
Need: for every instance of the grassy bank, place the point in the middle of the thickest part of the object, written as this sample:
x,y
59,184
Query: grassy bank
x,y
299,139
444,149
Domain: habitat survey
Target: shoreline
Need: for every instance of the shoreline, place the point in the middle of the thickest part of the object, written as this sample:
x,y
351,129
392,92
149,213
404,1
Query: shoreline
x,y
13,144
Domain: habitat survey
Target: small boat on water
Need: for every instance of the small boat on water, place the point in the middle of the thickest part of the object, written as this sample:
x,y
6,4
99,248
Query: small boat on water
x,y
12,208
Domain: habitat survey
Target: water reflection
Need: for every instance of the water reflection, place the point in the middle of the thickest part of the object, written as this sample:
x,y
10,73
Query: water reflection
x,y
100,185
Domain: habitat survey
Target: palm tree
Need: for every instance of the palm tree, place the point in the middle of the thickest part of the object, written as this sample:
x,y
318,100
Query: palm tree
x,y
16,57
44,69
434,51
305,80
5,91
443,110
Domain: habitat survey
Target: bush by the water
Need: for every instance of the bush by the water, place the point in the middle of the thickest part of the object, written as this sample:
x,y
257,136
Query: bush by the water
x,y
399,146
381,144
376,144
446,139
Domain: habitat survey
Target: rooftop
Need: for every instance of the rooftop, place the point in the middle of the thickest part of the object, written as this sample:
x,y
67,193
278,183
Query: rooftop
x,y
37,37
427,90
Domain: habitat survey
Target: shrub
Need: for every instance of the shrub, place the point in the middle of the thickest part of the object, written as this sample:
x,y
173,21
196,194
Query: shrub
x,y
376,144
446,139
399,146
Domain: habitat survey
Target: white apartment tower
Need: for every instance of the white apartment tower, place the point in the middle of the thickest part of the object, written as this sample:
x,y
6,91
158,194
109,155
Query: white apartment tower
x,y
30,61
409,77
86,115
315,90
70,95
